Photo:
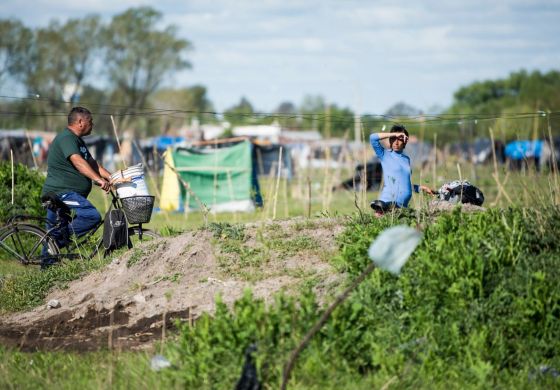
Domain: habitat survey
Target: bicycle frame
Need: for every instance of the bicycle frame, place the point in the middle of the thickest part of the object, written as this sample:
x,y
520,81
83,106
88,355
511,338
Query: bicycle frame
x,y
15,222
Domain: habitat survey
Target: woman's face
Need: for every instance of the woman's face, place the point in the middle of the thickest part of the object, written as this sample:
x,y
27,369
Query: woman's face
x,y
398,143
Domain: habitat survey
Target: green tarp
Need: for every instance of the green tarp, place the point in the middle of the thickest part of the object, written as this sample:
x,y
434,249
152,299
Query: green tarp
x,y
216,176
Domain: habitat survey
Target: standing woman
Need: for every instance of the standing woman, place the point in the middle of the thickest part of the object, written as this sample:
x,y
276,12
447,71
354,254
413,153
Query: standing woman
x,y
397,187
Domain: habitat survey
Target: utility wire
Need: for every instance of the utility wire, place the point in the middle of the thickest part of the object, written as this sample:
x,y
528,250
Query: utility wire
x,y
426,119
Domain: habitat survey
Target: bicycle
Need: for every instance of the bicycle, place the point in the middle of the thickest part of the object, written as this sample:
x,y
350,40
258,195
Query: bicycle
x,y
25,241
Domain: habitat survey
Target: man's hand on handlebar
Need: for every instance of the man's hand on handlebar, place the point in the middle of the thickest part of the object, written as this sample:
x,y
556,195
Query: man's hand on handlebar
x,y
104,184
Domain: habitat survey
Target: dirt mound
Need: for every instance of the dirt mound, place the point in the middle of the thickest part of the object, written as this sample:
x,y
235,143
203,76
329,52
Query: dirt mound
x,y
139,295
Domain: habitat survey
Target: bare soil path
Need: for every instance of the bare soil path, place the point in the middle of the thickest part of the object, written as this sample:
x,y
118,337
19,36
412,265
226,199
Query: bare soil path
x,y
128,304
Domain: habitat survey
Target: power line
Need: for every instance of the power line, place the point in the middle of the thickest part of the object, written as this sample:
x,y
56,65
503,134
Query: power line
x,y
426,119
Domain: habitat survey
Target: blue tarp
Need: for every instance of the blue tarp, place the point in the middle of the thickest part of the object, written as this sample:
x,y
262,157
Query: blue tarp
x,y
163,142
519,150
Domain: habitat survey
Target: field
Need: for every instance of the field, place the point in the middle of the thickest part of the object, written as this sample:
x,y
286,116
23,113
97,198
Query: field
x,y
476,306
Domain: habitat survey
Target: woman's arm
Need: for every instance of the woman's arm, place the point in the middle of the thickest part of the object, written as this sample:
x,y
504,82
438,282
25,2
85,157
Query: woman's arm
x,y
382,136
417,188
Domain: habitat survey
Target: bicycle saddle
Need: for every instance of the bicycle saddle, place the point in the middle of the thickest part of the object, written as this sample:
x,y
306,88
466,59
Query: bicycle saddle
x,y
51,201
381,207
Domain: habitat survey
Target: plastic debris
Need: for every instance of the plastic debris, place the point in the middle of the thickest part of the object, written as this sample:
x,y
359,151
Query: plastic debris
x,y
53,304
392,248
159,362
544,370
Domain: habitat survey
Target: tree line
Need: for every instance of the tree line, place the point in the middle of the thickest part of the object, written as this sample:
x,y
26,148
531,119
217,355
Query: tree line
x,y
120,67
121,63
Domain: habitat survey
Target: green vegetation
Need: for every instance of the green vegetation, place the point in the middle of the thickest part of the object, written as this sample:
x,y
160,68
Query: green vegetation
x,y
257,259
477,306
27,191
139,254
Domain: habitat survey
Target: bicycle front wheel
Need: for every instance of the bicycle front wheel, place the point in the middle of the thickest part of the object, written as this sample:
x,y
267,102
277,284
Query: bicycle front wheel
x,y
24,243
137,237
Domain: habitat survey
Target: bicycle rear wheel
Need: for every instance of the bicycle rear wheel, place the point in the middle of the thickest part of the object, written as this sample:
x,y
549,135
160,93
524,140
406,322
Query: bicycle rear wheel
x,y
24,243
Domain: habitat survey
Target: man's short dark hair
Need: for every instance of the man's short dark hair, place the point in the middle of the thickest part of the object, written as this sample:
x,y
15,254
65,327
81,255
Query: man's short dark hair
x,y
76,113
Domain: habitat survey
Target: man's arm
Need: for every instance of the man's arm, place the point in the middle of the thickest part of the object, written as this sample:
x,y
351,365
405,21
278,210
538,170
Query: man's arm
x,y
85,169
99,169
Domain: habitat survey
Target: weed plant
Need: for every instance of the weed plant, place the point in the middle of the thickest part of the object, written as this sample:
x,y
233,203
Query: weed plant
x,y
27,191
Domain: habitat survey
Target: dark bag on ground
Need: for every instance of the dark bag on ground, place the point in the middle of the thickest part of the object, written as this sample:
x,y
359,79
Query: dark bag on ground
x,y
115,230
461,192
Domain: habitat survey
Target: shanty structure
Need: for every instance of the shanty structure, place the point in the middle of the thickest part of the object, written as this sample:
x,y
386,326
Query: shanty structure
x,y
223,179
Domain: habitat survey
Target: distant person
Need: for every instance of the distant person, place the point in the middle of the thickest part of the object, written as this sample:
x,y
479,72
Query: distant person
x,y
397,187
70,172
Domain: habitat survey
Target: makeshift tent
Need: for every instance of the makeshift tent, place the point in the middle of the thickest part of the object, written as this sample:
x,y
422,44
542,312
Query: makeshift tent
x,y
373,176
266,157
223,179
479,151
520,153
519,150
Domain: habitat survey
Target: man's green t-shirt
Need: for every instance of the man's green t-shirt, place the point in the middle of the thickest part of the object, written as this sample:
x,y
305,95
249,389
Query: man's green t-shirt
x,y
62,176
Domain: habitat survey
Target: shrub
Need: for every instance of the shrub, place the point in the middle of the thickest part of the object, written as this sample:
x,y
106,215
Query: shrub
x,y
27,191
478,304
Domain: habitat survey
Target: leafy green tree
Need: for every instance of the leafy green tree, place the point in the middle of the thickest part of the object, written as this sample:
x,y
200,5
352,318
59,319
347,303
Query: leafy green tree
x,y
14,39
502,100
139,56
46,60
240,114
287,115
80,40
342,121
312,110
402,109
182,105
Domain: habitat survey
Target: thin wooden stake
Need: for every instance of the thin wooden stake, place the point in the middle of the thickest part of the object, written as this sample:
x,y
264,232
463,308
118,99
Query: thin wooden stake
x,y
277,183
118,141
434,176
31,149
13,177
554,162
201,204
308,197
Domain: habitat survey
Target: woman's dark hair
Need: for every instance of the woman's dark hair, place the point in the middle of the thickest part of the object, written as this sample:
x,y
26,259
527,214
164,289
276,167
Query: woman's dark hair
x,y
397,129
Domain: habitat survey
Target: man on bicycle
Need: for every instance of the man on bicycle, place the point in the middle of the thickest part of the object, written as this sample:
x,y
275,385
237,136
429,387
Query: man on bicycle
x,y
70,172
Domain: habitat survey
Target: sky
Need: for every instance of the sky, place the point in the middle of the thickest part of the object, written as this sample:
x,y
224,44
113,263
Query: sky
x,y
365,55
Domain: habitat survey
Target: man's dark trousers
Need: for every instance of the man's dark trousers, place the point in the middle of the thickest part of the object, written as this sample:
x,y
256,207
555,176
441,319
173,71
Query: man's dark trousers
x,y
86,218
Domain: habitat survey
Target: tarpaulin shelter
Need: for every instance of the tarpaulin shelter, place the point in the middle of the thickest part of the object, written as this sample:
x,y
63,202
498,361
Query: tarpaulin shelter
x,y
519,150
163,142
223,179
267,158
479,151
519,153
